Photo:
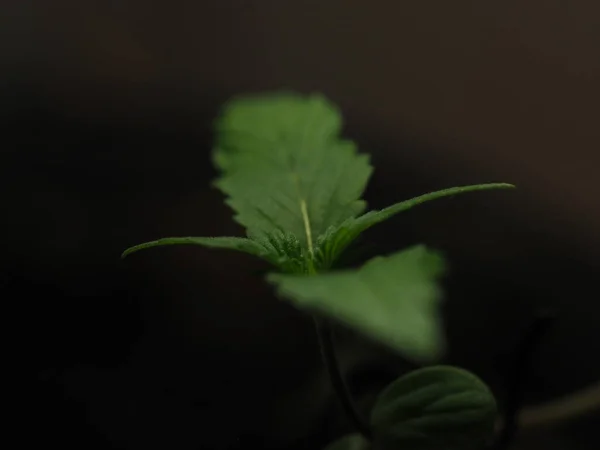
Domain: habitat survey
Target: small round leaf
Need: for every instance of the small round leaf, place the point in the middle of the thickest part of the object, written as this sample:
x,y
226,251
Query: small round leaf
x,y
435,408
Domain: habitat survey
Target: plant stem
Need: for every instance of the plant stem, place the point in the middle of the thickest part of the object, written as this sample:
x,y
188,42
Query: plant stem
x,y
520,376
326,342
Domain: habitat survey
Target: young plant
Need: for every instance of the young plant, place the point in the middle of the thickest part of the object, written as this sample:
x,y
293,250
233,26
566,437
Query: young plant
x,y
296,187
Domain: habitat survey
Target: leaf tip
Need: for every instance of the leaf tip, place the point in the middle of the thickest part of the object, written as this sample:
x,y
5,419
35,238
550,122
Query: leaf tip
x,y
507,185
128,252
138,247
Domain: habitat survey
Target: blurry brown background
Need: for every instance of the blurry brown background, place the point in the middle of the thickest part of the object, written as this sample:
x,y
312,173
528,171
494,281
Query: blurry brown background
x,y
107,107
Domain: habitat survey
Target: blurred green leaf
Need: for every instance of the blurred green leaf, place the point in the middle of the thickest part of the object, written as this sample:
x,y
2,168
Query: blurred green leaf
x,y
434,408
284,167
350,442
391,299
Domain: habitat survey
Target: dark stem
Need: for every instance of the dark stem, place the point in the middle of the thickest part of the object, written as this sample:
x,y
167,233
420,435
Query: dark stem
x,y
520,376
326,342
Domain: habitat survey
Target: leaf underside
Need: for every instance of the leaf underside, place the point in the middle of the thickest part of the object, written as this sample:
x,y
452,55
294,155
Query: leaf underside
x,y
392,299
432,408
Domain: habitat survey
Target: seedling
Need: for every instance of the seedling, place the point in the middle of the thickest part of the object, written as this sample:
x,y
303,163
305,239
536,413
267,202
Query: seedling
x,y
296,187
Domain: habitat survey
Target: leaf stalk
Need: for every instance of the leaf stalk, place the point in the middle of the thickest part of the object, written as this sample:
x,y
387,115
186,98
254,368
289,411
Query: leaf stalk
x,y
326,342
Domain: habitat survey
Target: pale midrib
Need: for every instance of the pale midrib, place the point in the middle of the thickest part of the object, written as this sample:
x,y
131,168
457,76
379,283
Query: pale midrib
x,y
303,205
307,228
304,213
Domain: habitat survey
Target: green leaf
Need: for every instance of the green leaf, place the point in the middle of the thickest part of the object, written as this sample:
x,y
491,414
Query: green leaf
x,y
284,167
336,239
350,442
231,243
434,408
391,299
282,250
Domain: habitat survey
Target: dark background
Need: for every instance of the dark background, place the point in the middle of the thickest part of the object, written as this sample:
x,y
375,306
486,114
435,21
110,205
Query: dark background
x,y
107,109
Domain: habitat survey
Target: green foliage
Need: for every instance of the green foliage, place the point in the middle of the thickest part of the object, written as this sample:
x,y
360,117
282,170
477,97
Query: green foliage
x,y
392,299
296,186
293,183
434,408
